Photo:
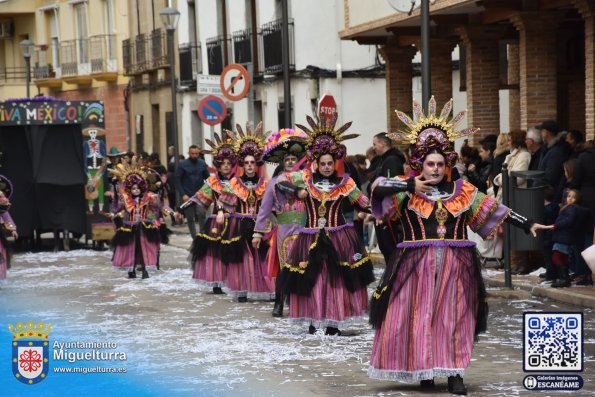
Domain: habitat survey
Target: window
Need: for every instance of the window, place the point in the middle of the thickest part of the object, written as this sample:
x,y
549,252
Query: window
x,y
215,54
110,28
80,15
54,38
242,46
272,36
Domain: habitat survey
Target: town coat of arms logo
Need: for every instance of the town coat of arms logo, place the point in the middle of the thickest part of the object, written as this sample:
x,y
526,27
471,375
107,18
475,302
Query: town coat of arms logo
x,y
30,352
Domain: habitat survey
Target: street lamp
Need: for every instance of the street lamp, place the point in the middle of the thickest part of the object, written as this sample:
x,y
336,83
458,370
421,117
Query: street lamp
x,y
170,17
26,47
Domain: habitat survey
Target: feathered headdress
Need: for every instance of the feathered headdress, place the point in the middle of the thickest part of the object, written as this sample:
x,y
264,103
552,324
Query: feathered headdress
x,y
222,148
131,175
283,142
431,132
323,138
250,143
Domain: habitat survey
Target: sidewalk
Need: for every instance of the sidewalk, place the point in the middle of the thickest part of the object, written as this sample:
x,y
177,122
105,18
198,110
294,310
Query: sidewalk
x,y
523,286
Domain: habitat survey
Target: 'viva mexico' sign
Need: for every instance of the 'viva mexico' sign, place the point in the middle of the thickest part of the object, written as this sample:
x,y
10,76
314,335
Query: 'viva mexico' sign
x,y
24,113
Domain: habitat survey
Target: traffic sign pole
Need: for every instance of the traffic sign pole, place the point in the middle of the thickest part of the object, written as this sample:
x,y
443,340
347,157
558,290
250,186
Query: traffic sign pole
x,y
251,95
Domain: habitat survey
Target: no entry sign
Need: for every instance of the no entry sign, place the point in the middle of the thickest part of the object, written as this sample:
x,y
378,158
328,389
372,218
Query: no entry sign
x,y
212,110
235,82
327,106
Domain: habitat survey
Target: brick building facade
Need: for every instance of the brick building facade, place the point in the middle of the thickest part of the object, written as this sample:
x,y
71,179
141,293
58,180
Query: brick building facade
x,y
541,52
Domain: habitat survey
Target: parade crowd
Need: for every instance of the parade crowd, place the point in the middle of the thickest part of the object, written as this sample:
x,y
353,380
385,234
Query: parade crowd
x,y
300,237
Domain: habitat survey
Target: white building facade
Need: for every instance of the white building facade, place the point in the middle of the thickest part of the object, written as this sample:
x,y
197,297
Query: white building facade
x,y
321,64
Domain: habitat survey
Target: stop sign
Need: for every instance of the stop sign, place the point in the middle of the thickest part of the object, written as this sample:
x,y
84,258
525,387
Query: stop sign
x,y
327,106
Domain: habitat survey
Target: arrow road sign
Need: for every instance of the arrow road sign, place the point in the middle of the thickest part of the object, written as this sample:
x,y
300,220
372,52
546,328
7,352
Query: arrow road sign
x,y
235,82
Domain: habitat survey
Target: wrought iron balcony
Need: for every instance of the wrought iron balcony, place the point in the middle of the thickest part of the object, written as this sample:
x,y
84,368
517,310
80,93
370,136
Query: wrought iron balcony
x,y
145,52
271,39
242,46
216,54
190,62
159,55
104,64
44,73
75,61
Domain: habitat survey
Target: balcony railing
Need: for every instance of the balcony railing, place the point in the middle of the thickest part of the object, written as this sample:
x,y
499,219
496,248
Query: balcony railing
x,y
190,62
145,52
13,75
216,54
103,53
242,46
128,56
271,38
140,53
74,57
41,62
159,49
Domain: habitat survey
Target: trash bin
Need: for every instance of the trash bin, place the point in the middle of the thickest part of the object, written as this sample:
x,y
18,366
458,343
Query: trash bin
x,y
527,201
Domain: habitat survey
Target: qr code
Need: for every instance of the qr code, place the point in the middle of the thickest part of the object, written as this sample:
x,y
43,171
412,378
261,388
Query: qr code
x,y
553,342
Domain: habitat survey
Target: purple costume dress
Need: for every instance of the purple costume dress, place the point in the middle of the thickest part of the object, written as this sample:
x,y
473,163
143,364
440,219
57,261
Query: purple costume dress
x,y
328,268
7,224
289,213
246,266
209,270
430,303
138,237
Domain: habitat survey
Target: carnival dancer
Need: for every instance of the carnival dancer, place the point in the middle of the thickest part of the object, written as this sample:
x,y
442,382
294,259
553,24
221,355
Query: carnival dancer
x,y
246,265
285,147
328,268
137,240
430,303
205,252
7,225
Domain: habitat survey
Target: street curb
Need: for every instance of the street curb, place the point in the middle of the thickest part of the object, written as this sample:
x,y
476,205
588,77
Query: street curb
x,y
561,294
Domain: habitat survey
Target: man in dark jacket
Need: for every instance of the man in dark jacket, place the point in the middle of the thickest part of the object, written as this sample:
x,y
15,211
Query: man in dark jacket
x,y
389,162
190,176
557,151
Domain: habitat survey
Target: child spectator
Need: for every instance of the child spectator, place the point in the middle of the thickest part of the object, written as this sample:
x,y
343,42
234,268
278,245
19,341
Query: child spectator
x,y
566,230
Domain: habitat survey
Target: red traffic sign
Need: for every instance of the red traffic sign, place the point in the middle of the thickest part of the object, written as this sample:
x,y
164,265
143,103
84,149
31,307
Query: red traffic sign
x,y
212,110
327,106
235,82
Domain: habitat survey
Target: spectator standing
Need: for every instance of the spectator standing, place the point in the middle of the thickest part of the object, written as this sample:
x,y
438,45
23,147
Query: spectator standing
x,y
522,262
534,146
576,140
565,234
502,150
479,174
190,176
556,152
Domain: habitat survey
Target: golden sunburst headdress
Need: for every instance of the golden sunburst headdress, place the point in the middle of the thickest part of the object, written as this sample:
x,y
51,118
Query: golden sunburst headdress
x,y
431,132
323,138
222,148
129,175
250,143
